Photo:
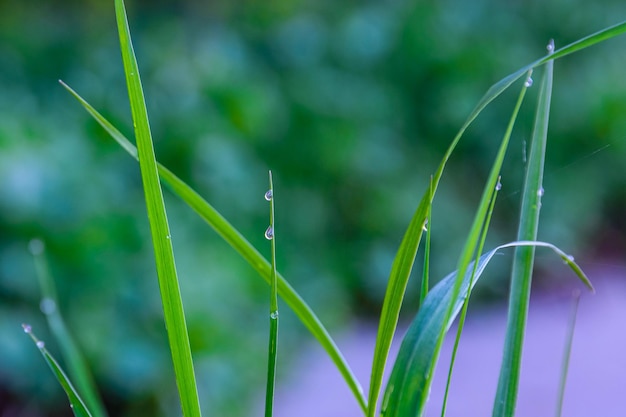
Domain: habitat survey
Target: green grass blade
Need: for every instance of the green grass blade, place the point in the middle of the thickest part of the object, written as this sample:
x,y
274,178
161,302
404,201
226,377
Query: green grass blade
x,y
74,359
161,238
415,403
76,403
466,301
567,351
270,234
409,383
245,249
521,276
426,270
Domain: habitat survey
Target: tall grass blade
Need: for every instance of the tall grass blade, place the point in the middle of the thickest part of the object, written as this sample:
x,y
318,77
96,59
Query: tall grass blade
x,y
74,359
245,249
466,301
161,238
76,403
521,276
409,383
413,402
567,351
426,270
270,234
403,262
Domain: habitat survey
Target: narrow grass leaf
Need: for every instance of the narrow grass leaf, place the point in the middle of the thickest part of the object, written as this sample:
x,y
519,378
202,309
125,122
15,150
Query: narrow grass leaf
x,y
409,383
523,260
161,238
415,403
567,351
245,249
270,234
76,403
72,355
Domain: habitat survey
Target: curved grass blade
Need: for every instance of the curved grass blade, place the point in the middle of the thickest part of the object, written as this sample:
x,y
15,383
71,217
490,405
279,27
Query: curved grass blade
x,y
409,383
270,234
74,359
245,249
521,275
157,217
76,403
465,259
569,339
405,257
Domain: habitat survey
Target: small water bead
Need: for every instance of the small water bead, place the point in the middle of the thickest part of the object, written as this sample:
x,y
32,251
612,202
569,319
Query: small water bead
x,y
269,233
540,192
550,46
569,259
41,344
528,82
36,246
274,315
27,328
425,225
268,195
498,186
47,306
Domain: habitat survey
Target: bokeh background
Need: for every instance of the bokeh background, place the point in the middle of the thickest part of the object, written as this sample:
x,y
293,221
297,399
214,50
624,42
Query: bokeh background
x,y
351,104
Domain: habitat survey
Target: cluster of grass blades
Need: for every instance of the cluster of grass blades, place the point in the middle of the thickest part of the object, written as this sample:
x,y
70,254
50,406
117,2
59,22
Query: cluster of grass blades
x,y
406,393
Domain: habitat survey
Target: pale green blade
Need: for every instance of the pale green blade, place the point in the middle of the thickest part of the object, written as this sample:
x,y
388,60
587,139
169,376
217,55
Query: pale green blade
x,y
159,228
409,383
236,240
521,276
76,403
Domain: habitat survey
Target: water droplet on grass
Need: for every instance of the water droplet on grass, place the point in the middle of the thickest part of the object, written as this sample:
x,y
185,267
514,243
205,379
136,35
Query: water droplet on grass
x,y
41,344
268,195
528,82
47,306
27,328
498,185
550,46
540,192
274,315
269,233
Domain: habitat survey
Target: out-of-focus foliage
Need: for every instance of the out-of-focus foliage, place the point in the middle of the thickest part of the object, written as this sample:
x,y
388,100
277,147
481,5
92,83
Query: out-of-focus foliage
x,y
350,104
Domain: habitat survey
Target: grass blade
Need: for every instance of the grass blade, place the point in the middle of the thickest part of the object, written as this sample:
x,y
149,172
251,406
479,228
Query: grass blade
x,y
405,404
75,361
569,339
409,383
161,238
521,276
245,249
270,234
76,403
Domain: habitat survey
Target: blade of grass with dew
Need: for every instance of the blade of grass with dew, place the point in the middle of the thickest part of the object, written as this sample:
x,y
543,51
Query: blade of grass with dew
x,y
76,403
403,403
245,249
157,217
74,359
463,315
270,234
403,262
523,260
417,357
567,351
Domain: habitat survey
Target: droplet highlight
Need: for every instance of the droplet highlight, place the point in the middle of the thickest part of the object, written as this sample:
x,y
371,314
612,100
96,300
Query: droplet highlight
x,y
27,328
268,195
550,46
498,186
540,192
274,315
41,344
47,306
528,82
269,233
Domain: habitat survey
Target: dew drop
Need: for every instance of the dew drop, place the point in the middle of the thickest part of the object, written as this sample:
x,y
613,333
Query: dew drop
x,y
540,192
569,259
269,233
36,246
529,82
274,315
168,237
47,306
425,225
498,186
550,46
268,195
27,328
40,344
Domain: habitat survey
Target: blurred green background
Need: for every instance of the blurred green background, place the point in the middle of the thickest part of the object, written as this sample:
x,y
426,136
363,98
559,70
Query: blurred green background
x,y
351,104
